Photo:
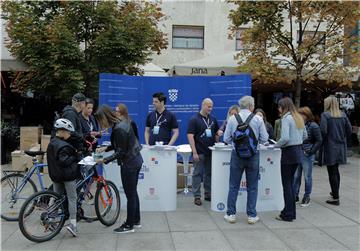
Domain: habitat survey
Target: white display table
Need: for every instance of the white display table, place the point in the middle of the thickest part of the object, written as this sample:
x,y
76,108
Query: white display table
x,y
185,152
157,185
270,192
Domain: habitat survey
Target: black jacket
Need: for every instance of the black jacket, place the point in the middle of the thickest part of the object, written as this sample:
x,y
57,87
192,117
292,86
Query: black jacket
x,y
314,139
76,138
335,132
124,143
62,161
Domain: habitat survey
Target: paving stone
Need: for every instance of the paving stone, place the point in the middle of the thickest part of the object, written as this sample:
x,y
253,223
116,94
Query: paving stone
x,y
256,239
348,236
145,241
308,239
203,240
190,221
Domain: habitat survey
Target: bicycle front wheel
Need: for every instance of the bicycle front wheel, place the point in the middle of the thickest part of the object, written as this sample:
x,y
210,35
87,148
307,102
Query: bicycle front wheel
x,y
12,197
107,203
42,216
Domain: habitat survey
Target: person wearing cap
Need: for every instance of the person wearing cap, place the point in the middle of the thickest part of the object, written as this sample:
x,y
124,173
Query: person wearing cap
x,y
62,159
72,113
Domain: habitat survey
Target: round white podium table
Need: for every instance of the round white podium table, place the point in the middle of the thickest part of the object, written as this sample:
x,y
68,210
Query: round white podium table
x,y
185,152
157,184
270,192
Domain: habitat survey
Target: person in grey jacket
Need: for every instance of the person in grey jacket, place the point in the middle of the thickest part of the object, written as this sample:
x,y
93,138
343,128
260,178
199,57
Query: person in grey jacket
x,y
310,146
293,133
335,128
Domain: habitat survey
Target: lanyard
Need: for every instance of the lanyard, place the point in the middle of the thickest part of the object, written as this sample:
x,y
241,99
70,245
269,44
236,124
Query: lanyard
x,y
207,123
158,119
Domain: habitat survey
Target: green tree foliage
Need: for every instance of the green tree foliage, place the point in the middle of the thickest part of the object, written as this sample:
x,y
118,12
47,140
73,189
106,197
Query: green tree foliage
x,y
297,41
66,44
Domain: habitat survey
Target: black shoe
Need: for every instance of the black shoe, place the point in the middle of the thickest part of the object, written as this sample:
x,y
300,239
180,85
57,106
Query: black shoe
x,y
197,201
137,225
335,202
296,199
305,202
207,198
280,218
124,228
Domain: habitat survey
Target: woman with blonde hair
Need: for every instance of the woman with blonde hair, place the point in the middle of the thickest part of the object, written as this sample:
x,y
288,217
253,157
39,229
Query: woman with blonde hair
x,y
293,133
335,128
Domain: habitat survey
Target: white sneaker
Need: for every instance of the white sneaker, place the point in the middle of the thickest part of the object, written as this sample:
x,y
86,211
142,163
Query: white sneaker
x,y
72,229
253,220
230,218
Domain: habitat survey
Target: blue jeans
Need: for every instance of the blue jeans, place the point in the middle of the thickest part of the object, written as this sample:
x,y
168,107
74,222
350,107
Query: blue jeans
x,y
203,164
237,167
306,166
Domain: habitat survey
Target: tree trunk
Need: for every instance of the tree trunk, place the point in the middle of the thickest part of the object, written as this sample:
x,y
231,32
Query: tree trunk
x,y
298,86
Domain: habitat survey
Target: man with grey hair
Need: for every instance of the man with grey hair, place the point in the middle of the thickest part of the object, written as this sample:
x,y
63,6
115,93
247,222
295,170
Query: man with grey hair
x,y
72,113
202,132
240,164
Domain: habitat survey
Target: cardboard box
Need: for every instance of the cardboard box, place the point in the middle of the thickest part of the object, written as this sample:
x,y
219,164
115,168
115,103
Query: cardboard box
x,y
45,140
181,178
45,169
29,136
20,161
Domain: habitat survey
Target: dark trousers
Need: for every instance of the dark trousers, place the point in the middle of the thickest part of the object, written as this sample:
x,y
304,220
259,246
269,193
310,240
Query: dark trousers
x,y
129,178
334,179
287,179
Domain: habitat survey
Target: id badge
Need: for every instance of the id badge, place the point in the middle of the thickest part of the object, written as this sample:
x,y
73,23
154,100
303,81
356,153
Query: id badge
x,y
208,133
156,130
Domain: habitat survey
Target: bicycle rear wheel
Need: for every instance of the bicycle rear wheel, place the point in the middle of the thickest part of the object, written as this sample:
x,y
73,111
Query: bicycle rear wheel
x,y
11,198
107,203
42,216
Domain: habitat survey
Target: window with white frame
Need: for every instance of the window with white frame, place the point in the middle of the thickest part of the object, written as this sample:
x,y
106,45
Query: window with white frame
x,y
188,37
239,43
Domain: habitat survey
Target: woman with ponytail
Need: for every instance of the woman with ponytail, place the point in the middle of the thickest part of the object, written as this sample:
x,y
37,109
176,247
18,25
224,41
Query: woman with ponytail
x,y
293,133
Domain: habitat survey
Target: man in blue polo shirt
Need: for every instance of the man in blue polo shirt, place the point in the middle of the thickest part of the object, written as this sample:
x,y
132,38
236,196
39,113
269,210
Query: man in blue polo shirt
x,y
202,132
160,123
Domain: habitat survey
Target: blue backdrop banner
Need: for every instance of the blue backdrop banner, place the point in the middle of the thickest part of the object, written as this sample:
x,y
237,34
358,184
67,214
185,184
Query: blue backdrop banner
x,y
184,96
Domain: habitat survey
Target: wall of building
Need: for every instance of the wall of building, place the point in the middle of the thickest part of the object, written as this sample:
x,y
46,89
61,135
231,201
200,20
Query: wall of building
x,y
213,15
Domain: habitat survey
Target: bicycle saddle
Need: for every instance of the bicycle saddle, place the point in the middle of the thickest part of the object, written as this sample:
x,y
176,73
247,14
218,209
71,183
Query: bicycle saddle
x,y
35,153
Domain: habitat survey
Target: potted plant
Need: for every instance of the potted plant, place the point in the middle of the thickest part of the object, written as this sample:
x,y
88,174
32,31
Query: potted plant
x,y
10,140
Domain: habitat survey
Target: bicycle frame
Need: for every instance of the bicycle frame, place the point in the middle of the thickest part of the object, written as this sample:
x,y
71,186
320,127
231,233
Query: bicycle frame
x,y
87,181
99,178
34,169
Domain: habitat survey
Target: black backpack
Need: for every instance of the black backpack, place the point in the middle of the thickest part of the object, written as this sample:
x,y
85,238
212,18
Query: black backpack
x,y
244,138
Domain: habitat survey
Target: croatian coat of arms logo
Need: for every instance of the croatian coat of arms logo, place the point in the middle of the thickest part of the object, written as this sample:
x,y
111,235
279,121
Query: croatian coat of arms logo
x,y
173,94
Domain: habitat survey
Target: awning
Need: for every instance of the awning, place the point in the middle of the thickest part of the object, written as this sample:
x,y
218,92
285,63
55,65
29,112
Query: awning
x,y
151,69
208,66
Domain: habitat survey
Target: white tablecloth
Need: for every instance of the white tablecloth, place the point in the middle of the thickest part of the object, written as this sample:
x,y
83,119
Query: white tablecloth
x,y
270,193
157,187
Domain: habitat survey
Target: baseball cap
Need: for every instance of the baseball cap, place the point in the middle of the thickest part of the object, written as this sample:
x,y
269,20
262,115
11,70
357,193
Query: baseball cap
x,y
78,97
